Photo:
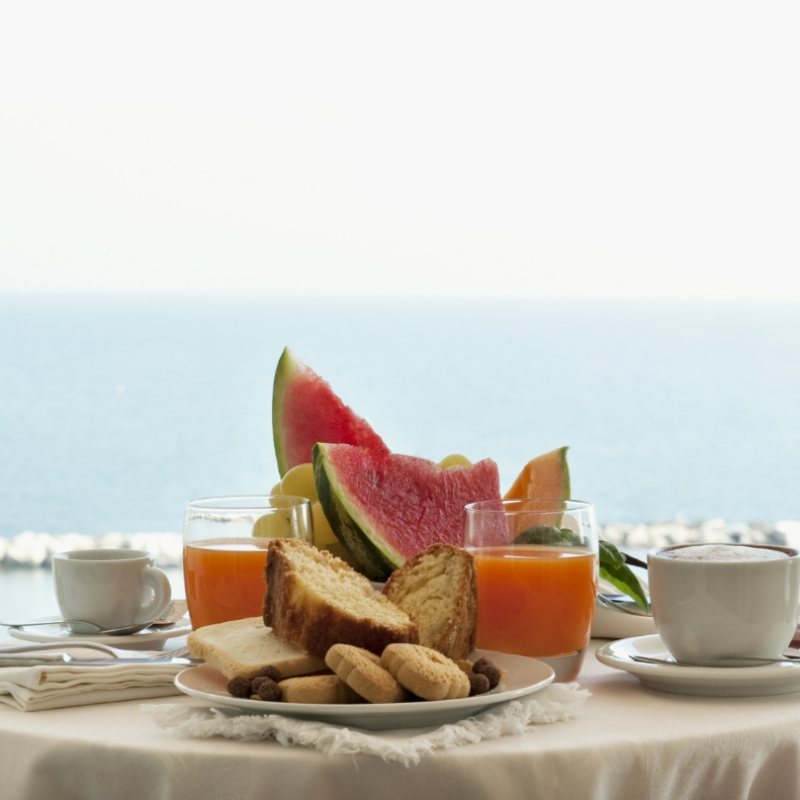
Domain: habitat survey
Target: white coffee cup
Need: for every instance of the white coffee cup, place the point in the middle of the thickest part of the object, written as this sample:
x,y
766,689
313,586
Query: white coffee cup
x,y
720,602
109,587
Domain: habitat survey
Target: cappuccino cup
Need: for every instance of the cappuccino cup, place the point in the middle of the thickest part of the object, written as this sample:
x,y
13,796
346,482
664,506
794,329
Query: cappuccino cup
x,y
723,602
109,587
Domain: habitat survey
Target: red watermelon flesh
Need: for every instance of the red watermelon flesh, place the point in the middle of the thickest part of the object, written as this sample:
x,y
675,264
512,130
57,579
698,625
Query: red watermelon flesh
x,y
305,410
386,508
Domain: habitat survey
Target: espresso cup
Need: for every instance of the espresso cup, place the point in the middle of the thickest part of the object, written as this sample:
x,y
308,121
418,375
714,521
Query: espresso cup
x,y
109,587
722,602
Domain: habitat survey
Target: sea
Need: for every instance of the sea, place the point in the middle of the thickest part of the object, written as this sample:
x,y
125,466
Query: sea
x,y
115,410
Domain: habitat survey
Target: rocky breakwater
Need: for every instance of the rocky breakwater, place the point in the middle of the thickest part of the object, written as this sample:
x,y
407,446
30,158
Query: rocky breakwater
x,y
31,549
646,537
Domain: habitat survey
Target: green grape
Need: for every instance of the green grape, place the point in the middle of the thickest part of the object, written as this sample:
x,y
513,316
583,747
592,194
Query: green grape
x,y
273,526
455,460
299,481
323,533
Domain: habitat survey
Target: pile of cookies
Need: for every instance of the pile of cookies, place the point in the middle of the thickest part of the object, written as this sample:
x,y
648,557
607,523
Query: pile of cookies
x,y
403,672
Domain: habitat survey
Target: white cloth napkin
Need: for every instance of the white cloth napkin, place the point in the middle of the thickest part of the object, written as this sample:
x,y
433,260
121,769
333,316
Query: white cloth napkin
x,y
41,688
556,703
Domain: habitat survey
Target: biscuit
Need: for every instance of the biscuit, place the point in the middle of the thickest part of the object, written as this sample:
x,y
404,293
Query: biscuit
x,y
425,672
361,670
317,689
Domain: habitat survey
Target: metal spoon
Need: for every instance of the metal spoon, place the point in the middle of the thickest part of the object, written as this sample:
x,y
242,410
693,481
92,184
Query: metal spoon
x,y
173,613
81,626
747,661
619,602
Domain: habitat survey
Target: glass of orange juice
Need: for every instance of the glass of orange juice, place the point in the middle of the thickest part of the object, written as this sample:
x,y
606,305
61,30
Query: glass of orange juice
x,y
536,564
225,542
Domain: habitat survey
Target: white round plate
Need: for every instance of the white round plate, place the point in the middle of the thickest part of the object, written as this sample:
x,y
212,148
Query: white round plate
x,y
141,640
765,679
523,676
609,623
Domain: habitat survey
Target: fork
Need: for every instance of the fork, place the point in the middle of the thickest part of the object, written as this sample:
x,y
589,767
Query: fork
x,y
744,661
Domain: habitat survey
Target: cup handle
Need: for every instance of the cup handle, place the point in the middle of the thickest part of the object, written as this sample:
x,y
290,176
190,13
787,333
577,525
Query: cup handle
x,y
162,594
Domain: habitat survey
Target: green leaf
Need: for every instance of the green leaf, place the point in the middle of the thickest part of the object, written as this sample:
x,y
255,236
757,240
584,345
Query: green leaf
x,y
614,569
546,534
613,564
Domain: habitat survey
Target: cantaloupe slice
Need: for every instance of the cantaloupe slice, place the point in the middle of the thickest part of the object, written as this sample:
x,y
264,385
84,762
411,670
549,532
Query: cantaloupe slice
x,y
545,477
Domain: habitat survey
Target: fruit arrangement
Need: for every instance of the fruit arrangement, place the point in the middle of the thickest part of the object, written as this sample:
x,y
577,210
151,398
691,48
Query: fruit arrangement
x,y
375,508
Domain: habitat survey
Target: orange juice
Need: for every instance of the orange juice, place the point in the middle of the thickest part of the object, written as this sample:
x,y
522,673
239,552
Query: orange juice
x,y
534,600
224,579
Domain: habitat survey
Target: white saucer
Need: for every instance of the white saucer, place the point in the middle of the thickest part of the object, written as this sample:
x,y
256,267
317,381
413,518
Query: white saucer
x,y
523,676
141,640
765,679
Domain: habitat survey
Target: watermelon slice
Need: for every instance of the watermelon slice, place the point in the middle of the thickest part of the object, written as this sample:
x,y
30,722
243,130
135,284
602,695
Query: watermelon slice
x,y
385,508
305,410
543,477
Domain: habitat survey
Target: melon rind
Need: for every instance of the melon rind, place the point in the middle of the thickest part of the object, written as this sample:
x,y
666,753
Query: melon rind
x,y
284,372
372,556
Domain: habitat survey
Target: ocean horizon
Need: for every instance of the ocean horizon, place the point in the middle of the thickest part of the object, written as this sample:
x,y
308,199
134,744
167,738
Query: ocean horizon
x,y
116,410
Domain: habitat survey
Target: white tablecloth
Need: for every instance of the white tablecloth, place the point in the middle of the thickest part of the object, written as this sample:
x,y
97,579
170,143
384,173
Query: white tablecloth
x,y
628,742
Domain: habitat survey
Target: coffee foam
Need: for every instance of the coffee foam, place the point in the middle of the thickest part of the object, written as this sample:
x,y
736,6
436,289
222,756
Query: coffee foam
x,y
722,552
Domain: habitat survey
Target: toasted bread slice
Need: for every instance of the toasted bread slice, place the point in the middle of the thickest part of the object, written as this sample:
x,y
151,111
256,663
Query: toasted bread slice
x,y
316,600
439,591
244,647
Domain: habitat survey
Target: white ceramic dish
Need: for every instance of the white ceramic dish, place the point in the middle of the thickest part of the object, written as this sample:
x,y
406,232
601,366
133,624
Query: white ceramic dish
x,y
609,623
523,676
765,679
147,639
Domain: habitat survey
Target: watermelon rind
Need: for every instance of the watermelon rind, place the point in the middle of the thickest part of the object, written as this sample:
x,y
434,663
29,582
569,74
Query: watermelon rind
x,y
371,555
284,371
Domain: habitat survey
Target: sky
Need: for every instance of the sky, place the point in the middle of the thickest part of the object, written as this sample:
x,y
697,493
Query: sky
x,y
620,149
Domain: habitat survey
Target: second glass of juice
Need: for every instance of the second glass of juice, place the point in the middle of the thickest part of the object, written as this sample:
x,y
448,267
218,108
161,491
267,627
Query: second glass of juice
x,y
225,542
536,564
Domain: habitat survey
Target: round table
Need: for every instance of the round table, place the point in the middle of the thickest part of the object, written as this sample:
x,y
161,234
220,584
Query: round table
x,y
627,742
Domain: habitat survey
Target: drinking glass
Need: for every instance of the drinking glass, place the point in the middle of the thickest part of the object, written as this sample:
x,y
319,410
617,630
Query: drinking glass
x,y
536,564
225,541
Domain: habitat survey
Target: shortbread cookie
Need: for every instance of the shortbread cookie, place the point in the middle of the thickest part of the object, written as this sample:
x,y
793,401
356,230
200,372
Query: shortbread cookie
x,y
317,689
425,672
361,670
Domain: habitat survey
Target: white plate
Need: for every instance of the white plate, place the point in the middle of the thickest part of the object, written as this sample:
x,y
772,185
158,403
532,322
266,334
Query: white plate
x,y
609,623
765,679
142,640
523,676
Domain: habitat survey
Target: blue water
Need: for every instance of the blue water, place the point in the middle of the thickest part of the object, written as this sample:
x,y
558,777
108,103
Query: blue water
x,y
116,410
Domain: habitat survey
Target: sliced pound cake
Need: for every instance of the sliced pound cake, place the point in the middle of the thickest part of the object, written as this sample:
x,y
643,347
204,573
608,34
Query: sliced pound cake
x,y
316,600
439,591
